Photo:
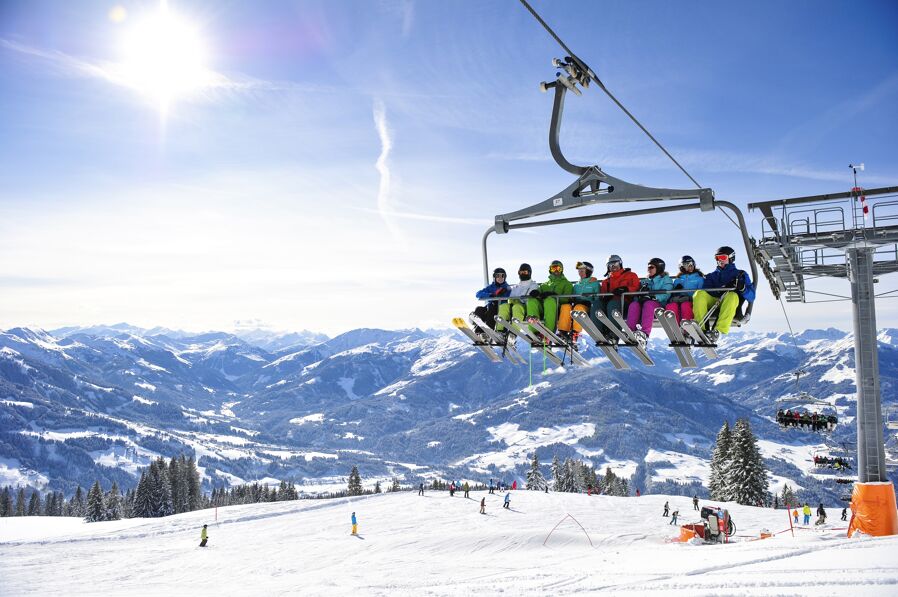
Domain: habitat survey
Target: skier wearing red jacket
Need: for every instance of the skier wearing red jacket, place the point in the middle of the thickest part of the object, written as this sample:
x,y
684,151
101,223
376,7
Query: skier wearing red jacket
x,y
618,280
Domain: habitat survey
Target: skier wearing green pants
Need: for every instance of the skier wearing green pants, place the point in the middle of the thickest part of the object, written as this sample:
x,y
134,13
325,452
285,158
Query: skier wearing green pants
x,y
544,298
515,307
725,276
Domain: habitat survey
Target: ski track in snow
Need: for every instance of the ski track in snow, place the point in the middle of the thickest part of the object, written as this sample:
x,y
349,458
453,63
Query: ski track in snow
x,y
437,545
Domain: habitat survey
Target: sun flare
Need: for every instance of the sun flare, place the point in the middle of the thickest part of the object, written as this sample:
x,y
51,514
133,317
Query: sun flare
x,y
163,56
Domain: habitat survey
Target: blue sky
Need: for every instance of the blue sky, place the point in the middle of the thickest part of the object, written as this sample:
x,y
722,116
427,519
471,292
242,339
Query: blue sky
x,y
341,161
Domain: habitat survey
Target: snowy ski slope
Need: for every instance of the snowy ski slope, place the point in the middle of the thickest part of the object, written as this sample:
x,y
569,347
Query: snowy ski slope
x,y
436,545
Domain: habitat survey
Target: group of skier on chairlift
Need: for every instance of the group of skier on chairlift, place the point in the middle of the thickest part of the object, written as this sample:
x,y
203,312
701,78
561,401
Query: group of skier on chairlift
x,y
836,462
689,295
806,420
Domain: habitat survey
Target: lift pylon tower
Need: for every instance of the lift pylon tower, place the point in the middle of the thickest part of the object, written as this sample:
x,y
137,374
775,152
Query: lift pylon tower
x,y
829,236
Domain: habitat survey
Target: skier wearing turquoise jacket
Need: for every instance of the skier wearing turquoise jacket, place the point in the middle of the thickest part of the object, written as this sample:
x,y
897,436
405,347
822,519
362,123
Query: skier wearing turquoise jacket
x,y
544,298
518,295
588,288
689,278
738,288
642,310
487,313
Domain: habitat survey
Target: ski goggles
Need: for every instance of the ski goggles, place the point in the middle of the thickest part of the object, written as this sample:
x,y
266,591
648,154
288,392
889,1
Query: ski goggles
x,y
686,263
581,265
556,269
524,272
498,275
723,257
611,264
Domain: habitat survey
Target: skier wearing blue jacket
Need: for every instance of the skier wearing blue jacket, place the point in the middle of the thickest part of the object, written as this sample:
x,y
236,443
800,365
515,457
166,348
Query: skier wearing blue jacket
x,y
689,278
739,288
487,313
642,310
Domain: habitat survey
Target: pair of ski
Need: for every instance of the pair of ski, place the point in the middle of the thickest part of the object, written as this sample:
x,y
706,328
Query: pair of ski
x,y
496,340
620,330
678,341
543,338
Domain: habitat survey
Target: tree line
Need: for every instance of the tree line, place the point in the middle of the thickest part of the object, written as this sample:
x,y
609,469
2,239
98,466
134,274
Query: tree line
x,y
576,476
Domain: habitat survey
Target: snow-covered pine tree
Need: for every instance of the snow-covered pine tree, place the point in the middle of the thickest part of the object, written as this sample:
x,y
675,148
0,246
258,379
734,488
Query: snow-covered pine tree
x,y
787,497
194,486
161,489
395,486
113,502
96,509
747,475
34,504
609,482
717,483
377,488
49,504
6,505
535,478
20,502
556,472
355,482
78,507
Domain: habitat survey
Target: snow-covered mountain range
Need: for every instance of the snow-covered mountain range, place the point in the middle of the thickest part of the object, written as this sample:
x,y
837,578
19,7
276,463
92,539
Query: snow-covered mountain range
x,y
79,404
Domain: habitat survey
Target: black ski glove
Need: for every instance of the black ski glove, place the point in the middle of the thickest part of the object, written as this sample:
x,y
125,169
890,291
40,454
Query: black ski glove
x,y
619,290
740,284
535,294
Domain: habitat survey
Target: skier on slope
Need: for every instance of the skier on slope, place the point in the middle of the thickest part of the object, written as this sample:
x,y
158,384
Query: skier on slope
x,y
821,514
204,537
487,313
483,505
844,513
642,310
695,502
544,299
588,289
673,519
515,307
618,280
507,503
421,489
807,514
739,288
467,488
666,509
355,525
689,278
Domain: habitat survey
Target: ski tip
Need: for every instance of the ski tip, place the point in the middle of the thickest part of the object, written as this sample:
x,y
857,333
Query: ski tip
x,y
459,322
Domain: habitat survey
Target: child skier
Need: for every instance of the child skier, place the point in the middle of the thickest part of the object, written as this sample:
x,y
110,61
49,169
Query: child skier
x,y
544,298
795,516
725,276
642,310
204,537
689,278
587,287
483,505
355,525
487,313
507,503
618,280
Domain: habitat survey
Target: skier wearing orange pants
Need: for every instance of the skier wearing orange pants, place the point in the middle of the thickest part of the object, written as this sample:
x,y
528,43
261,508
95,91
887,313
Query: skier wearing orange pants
x,y
586,286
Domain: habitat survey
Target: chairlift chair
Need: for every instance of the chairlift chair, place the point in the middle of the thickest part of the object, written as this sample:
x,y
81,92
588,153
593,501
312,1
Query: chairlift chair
x,y
593,186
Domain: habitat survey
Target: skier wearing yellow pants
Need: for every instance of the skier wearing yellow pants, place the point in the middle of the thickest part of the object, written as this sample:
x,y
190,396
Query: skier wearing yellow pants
x,y
725,276
544,297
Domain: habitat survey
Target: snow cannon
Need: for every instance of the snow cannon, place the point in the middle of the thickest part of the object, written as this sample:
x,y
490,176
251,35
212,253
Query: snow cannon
x,y
718,526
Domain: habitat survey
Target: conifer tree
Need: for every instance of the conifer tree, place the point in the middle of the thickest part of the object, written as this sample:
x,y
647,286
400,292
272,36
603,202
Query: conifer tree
x,y
113,503
720,462
6,505
787,497
609,482
34,504
395,487
747,475
194,486
355,482
20,502
556,472
377,487
535,478
96,509
76,505
50,504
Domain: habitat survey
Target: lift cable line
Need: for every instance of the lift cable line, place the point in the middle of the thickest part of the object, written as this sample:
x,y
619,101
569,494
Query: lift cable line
x,y
592,76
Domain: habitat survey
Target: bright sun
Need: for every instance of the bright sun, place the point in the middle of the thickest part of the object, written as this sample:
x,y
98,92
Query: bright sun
x,y
164,58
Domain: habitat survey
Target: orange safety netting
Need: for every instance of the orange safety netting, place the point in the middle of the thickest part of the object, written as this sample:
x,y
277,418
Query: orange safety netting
x,y
873,510
689,531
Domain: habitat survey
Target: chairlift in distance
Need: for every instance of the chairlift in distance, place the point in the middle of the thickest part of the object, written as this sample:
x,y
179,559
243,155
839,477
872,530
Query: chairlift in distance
x,y
593,186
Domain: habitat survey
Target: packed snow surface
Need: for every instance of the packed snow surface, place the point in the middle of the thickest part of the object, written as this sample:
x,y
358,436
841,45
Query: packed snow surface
x,y
437,545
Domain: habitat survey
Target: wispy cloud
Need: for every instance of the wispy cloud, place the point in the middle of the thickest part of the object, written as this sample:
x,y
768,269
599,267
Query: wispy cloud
x,y
384,190
214,85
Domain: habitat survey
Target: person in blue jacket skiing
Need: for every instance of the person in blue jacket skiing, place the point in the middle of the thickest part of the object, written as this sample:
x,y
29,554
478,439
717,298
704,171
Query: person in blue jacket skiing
x,y
487,313
355,525
737,287
690,278
507,503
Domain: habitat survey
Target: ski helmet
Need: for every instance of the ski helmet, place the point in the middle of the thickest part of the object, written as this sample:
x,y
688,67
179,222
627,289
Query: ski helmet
x,y
686,260
659,265
499,272
614,259
556,265
587,266
727,251
525,271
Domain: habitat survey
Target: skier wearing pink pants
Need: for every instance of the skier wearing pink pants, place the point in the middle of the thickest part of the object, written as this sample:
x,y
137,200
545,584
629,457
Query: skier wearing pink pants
x,y
689,278
642,310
